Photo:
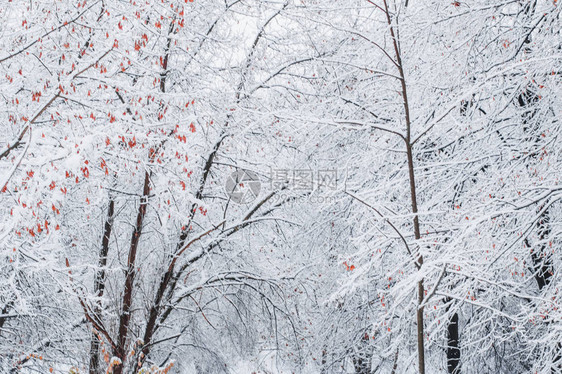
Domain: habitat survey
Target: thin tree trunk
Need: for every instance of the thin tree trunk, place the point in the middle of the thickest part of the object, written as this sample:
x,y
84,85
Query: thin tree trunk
x,y
125,317
99,287
453,351
412,180
4,312
417,235
395,364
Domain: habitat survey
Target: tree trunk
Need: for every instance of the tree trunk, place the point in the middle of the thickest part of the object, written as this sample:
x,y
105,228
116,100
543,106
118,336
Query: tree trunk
x,y
99,287
453,351
418,256
125,317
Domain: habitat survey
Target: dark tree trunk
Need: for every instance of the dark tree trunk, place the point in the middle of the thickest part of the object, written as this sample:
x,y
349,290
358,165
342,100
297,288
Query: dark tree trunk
x,y
418,258
453,351
542,260
99,287
127,302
